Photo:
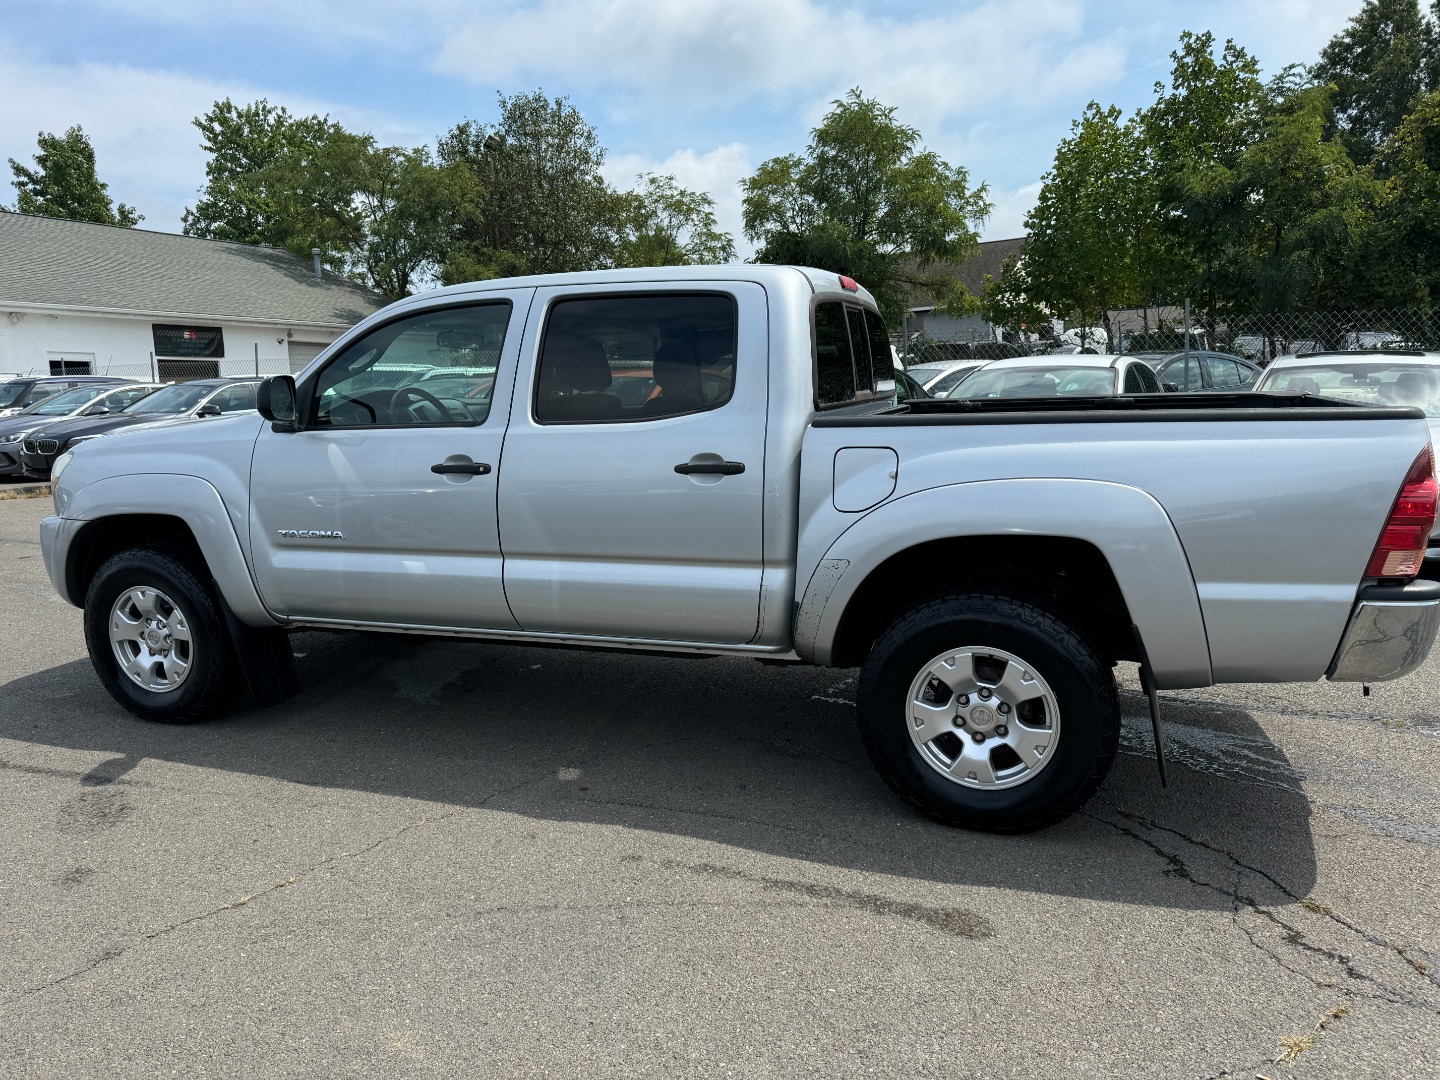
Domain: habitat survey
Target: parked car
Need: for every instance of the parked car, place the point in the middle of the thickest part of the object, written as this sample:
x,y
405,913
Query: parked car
x,y
1378,377
180,401
88,399
984,562
17,395
1200,372
1059,376
950,372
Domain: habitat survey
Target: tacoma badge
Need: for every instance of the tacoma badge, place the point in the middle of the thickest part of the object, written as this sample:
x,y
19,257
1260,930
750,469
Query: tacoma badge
x,y
311,534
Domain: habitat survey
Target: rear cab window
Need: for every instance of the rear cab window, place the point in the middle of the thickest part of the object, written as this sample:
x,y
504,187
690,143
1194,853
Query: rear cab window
x,y
852,354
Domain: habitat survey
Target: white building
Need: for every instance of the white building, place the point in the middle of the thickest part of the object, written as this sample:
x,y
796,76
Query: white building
x,y
79,298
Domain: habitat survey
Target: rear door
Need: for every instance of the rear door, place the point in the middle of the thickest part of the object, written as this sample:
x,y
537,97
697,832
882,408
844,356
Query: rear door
x,y
382,509
632,480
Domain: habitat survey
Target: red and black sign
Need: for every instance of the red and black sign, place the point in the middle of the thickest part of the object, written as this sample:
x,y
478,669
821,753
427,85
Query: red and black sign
x,y
185,342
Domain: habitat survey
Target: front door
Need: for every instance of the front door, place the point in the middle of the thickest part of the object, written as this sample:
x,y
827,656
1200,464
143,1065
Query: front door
x,y
633,477
382,509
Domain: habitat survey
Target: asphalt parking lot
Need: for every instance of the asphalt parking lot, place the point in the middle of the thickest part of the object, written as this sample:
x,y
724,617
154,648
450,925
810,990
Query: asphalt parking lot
x,y
449,859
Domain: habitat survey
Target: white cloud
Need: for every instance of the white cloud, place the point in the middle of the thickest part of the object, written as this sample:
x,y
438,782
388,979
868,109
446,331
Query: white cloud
x,y
139,122
717,172
711,53
1007,220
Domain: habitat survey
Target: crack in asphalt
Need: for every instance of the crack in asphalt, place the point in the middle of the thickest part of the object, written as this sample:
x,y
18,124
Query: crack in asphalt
x,y
1292,935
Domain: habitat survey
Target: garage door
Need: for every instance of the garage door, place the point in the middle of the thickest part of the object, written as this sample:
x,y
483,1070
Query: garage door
x,y
302,352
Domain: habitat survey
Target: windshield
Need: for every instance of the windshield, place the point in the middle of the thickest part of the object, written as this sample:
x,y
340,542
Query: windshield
x,y
1376,383
10,392
942,387
1028,382
173,399
68,402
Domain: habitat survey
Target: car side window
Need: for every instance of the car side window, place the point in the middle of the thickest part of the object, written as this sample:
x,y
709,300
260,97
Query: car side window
x,y
882,363
1184,374
1133,384
1143,380
435,368
637,357
123,398
1224,374
237,398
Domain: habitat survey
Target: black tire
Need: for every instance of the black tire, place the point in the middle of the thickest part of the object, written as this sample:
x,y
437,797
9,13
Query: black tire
x,y
214,682
1083,688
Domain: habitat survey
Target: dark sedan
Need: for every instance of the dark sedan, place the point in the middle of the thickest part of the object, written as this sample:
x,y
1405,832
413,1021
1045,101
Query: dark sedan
x,y
1205,372
87,399
201,398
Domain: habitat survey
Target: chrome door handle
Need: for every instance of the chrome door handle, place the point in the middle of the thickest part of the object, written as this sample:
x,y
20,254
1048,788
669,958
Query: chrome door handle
x,y
721,468
467,468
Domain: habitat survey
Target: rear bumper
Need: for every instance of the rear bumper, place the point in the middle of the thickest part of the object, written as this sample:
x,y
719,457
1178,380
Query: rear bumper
x,y
1390,632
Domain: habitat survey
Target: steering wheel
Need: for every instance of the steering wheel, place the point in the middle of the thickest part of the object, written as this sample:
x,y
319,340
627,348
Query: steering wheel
x,y
422,397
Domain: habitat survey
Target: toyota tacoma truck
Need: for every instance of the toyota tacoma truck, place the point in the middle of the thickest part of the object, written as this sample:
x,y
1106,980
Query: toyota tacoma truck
x,y
713,460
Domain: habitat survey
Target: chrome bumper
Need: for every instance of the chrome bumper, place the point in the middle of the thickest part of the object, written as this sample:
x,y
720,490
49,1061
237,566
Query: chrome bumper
x,y
1390,633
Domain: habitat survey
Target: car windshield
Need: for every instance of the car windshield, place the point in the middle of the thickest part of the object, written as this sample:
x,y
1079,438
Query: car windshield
x,y
1028,382
1376,383
179,398
68,402
10,392
952,380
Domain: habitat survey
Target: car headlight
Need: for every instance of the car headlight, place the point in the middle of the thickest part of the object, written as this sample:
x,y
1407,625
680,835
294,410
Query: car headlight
x,y
59,467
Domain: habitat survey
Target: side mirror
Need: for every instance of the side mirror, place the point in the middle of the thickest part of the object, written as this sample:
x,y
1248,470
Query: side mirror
x,y
208,410
275,401
97,410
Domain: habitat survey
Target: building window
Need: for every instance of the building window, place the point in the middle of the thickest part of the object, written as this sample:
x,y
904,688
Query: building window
x,y
70,367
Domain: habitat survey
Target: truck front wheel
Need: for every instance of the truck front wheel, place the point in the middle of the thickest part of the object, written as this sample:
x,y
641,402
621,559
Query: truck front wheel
x,y
988,712
157,638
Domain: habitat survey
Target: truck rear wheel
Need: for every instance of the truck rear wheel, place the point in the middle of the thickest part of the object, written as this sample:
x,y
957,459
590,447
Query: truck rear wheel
x,y
157,639
988,712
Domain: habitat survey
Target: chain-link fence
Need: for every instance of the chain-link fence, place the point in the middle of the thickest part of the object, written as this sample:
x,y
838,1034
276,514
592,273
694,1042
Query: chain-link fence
x,y
1164,330
166,370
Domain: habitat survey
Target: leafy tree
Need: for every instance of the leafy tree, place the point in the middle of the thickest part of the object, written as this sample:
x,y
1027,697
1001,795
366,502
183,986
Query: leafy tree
x,y
663,224
546,208
1197,131
1308,206
866,201
64,183
1010,301
1381,64
248,146
1407,234
1092,240
384,215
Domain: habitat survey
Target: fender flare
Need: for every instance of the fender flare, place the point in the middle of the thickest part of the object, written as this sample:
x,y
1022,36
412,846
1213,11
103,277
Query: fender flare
x,y
191,499
1128,527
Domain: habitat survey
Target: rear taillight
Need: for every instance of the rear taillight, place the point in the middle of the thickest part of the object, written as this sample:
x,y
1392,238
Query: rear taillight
x,y
1402,544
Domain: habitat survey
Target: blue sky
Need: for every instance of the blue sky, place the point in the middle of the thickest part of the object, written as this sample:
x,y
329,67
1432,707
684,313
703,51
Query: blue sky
x,y
706,89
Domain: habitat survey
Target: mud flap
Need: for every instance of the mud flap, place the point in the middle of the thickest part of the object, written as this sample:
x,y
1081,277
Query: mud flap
x,y
265,658
1147,683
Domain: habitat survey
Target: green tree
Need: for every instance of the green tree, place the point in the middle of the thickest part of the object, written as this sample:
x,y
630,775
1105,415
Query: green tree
x,y
1092,239
1197,131
64,183
663,224
383,215
546,208
1010,303
247,145
867,201
1381,64
1308,206
1405,261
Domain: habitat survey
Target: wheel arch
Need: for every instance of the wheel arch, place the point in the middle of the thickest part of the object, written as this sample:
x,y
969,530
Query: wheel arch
x,y
1104,555
184,514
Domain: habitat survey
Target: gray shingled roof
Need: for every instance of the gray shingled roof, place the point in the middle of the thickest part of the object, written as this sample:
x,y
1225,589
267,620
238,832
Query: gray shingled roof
x,y
989,260
78,264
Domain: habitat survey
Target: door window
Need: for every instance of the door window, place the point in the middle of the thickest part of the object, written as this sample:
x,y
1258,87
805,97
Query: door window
x,y
1224,374
637,357
237,398
432,369
1184,374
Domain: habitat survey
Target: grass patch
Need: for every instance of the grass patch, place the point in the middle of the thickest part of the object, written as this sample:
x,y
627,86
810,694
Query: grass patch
x,y
1291,1046
10,494
1311,904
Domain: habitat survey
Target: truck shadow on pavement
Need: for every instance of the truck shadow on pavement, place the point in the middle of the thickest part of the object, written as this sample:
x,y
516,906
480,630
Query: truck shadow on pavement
x,y
731,751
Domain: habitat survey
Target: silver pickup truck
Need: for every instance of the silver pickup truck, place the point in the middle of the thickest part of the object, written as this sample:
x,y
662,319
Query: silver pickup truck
x,y
711,460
